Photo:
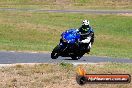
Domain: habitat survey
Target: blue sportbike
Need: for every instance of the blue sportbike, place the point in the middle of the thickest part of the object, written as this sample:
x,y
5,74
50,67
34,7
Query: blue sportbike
x,y
69,46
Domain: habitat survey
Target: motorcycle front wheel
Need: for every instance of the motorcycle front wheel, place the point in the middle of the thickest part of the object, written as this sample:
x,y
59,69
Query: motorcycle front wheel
x,y
55,52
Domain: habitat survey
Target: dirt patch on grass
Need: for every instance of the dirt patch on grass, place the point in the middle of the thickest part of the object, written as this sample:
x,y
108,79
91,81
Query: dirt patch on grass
x,y
62,2
127,14
30,26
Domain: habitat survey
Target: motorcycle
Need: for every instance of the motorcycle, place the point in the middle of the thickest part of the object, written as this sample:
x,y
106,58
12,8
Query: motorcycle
x,y
70,46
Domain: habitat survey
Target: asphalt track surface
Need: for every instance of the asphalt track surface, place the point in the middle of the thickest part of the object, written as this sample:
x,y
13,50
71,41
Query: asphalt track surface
x,y
7,57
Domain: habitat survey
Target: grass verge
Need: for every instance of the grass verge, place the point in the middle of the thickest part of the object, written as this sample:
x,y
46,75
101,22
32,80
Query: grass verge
x,y
38,31
67,4
61,75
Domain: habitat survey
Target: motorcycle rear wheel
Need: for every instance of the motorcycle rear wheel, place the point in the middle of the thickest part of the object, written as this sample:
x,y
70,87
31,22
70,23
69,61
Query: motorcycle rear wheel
x,y
75,58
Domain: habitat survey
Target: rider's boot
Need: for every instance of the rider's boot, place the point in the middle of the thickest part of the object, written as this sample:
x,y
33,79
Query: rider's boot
x,y
88,51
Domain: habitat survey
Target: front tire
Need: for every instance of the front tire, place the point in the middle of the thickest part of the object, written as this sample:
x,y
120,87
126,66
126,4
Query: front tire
x,y
55,52
54,55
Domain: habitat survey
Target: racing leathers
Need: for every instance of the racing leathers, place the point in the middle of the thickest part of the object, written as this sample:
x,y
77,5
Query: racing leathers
x,y
87,37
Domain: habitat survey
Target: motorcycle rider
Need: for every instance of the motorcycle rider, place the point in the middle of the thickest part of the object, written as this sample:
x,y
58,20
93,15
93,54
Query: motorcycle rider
x,y
87,35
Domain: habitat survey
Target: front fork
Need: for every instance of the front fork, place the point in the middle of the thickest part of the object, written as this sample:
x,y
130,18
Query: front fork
x,y
63,47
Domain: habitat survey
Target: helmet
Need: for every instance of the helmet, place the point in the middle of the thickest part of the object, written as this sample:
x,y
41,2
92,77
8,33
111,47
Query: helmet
x,y
85,24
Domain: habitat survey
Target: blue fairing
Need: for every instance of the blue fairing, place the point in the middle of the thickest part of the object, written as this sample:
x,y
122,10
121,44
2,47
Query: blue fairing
x,y
70,36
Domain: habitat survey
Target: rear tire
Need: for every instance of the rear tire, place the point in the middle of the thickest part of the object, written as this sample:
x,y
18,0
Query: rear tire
x,y
75,58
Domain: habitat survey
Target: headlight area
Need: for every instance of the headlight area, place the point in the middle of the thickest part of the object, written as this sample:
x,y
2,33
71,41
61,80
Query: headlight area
x,y
64,40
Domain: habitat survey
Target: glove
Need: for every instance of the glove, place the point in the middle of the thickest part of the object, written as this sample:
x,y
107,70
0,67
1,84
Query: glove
x,y
87,40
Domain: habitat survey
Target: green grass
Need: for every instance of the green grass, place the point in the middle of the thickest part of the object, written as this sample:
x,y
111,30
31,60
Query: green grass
x,y
36,31
62,75
67,4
